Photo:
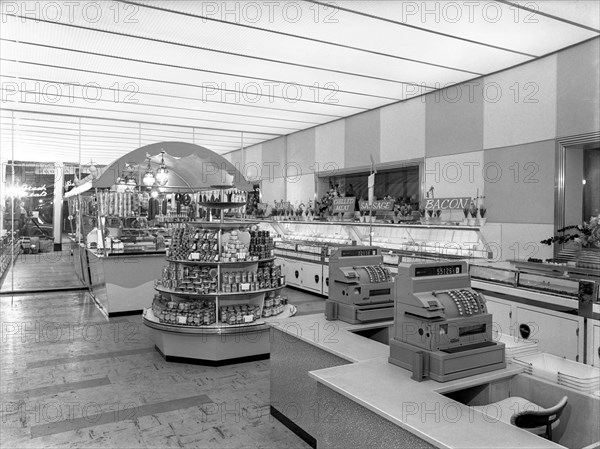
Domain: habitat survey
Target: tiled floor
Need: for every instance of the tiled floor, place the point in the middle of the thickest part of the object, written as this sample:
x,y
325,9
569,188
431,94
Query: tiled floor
x,y
45,270
72,378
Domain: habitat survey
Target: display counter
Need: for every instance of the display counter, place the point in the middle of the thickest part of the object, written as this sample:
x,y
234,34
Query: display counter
x,y
304,247
121,283
531,300
332,384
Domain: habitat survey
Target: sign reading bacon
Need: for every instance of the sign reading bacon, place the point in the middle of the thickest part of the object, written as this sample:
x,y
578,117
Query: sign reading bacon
x,y
447,203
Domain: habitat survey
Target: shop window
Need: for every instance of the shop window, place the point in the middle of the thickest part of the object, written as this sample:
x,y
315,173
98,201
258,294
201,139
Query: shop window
x,y
401,183
582,184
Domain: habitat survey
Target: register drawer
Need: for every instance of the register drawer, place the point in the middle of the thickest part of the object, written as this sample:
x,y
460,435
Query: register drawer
x,y
378,314
445,363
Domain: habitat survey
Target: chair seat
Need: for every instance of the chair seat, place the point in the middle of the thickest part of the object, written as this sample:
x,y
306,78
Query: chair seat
x,y
506,409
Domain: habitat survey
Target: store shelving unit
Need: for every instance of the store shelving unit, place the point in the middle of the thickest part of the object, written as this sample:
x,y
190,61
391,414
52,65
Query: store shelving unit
x,y
216,310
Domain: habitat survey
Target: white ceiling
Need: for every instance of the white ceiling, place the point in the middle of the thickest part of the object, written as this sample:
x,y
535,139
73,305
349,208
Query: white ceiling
x,y
95,80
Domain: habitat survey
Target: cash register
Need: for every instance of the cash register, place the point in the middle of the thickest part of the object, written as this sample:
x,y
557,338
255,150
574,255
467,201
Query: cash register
x,y
442,329
361,289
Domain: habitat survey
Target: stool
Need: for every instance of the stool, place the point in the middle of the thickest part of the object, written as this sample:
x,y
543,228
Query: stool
x,y
527,415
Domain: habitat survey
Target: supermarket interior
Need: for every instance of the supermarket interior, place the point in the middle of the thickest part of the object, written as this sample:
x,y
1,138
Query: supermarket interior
x,y
300,224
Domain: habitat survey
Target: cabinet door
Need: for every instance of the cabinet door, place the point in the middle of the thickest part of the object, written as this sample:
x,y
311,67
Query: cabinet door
x,y
311,276
326,280
555,332
293,273
593,349
501,316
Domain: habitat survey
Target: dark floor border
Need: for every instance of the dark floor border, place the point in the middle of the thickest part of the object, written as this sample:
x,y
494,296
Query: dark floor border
x,y
304,290
287,422
47,290
204,362
125,313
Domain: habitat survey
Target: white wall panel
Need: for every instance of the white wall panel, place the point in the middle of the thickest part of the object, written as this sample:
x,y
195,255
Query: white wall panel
x,y
301,189
519,105
329,145
403,131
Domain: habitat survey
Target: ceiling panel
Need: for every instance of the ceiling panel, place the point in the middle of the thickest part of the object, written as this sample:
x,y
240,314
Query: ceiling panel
x,y
342,32
230,74
491,23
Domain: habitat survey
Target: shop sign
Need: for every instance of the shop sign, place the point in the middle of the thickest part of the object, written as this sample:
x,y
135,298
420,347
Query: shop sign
x,y
447,203
341,205
377,205
34,192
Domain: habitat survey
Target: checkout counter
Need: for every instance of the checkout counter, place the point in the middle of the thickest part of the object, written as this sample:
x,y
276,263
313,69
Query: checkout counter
x,y
338,384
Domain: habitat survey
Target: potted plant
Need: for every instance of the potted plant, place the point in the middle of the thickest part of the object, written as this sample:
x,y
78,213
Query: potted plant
x,y
482,219
300,211
466,212
422,212
587,240
309,211
473,212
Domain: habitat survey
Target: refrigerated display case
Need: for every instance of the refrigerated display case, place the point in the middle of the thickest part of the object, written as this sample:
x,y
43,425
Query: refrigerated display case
x,y
556,280
304,247
541,302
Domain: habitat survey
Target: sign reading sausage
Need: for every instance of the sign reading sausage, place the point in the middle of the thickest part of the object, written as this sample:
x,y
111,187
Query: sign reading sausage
x,y
377,205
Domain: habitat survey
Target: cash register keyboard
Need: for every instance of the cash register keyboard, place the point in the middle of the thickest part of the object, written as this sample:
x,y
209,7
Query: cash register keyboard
x,y
466,301
377,274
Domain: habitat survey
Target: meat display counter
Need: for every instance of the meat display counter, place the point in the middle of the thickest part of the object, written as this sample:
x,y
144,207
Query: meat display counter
x,y
304,247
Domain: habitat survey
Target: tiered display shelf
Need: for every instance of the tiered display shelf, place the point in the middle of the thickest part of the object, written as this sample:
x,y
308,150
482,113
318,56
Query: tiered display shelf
x,y
217,293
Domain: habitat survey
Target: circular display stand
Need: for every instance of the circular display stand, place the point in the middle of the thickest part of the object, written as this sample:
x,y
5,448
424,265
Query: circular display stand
x,y
219,343
214,345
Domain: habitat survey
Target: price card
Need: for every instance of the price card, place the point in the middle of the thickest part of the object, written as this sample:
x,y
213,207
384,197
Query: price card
x,y
244,287
248,318
181,319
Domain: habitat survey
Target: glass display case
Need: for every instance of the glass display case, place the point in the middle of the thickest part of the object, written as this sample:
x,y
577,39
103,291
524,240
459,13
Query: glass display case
x,y
552,279
304,247
395,239
497,275
548,284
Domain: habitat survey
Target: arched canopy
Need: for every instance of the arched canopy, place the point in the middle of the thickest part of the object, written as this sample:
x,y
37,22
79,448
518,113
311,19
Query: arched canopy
x,y
190,167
